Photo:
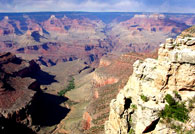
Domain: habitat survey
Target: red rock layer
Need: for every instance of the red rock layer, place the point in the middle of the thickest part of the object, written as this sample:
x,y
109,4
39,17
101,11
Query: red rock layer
x,y
120,68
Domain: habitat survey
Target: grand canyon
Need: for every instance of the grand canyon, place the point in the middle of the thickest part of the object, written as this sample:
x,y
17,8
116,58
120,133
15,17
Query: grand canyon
x,y
60,72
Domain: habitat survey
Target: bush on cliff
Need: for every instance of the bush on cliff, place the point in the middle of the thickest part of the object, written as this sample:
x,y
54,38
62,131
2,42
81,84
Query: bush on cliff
x,y
144,98
174,110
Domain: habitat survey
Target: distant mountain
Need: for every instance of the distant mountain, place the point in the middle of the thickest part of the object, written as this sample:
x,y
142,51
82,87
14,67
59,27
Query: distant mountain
x,y
83,35
144,32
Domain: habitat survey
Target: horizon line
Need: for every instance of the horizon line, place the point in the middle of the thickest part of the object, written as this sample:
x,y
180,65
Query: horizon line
x,y
95,12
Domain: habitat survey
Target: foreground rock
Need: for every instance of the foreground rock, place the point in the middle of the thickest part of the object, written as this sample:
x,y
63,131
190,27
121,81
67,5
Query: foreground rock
x,y
137,106
16,93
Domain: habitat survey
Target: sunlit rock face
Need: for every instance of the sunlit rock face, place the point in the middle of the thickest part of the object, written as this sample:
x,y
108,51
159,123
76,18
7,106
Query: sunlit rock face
x,y
173,71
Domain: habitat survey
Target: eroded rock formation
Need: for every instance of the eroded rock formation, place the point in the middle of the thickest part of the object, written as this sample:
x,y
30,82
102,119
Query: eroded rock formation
x,y
143,32
16,93
137,106
52,38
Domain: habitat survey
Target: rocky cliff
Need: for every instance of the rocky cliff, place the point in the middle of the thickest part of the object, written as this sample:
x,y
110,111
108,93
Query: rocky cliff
x,y
144,106
17,91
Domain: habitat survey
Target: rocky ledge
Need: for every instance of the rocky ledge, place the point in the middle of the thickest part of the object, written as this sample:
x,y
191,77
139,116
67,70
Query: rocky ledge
x,y
16,92
144,106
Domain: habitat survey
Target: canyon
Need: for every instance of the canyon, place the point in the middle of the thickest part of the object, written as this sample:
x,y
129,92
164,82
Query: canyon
x,y
97,50
61,37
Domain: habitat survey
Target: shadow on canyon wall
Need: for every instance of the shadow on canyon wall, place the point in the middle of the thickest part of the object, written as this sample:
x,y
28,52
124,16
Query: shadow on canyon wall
x,y
46,109
11,127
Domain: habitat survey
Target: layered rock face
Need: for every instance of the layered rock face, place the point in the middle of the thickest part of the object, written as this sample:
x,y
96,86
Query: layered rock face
x,y
16,93
144,32
111,75
54,39
137,106
184,19
51,38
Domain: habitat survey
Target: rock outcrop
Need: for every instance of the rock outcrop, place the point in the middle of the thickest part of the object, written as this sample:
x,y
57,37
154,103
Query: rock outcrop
x,y
137,106
16,93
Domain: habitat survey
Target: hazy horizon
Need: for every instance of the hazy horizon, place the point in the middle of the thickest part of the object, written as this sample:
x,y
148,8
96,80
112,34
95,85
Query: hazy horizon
x,y
157,6
95,12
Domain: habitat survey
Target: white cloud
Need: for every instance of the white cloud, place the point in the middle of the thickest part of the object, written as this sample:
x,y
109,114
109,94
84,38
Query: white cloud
x,y
95,6
90,5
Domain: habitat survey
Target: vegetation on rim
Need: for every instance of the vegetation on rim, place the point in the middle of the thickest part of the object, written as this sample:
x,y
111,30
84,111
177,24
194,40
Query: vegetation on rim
x,y
144,98
174,110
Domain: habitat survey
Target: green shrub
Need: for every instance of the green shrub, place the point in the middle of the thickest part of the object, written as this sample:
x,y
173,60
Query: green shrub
x,y
174,110
144,98
170,100
133,106
70,86
62,92
131,131
130,120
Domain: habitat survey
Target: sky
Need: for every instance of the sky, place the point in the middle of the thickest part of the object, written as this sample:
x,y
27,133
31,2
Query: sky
x,y
170,6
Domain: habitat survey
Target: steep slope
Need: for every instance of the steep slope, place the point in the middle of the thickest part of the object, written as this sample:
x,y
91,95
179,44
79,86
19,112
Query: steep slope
x,y
190,32
159,96
17,92
28,95
109,78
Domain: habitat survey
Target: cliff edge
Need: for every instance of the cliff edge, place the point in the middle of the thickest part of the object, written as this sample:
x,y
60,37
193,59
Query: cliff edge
x,y
159,97
17,91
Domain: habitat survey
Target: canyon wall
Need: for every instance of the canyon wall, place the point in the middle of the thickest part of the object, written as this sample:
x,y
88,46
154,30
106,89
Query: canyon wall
x,y
17,91
138,105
